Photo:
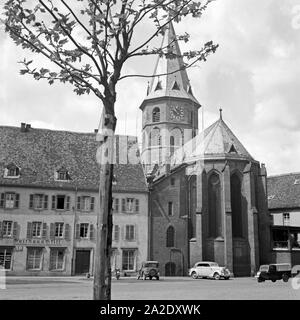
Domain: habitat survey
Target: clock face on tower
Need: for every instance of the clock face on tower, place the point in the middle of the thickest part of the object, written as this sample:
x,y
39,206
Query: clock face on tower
x,y
176,113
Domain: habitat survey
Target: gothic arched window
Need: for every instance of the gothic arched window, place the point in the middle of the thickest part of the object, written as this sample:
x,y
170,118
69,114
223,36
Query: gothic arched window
x,y
214,201
156,115
172,142
236,206
170,237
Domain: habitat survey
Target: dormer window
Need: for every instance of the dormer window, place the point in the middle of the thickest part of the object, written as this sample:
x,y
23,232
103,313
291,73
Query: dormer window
x,y
297,181
12,171
62,175
232,149
158,86
175,86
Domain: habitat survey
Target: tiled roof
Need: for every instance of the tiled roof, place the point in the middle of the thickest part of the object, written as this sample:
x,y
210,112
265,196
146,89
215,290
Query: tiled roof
x,y
215,141
284,191
174,82
41,152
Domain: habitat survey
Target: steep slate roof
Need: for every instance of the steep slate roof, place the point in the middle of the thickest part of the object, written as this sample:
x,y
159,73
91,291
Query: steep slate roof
x,y
40,152
169,66
283,192
215,141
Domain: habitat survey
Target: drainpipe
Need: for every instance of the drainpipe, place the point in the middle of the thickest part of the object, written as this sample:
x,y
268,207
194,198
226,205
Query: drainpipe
x,y
74,233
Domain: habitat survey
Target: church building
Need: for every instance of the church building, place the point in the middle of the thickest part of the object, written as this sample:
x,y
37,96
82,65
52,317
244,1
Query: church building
x,y
208,196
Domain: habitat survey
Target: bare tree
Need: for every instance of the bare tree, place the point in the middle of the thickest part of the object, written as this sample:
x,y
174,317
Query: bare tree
x,y
88,43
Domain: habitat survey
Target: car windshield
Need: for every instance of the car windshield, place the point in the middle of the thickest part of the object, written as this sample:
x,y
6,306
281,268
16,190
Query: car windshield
x,y
264,268
151,265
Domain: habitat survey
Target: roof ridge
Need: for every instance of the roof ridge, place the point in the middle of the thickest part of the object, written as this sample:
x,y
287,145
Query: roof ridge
x,y
283,174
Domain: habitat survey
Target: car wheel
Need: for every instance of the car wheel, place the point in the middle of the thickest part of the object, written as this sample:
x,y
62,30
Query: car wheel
x,y
217,276
144,276
285,277
150,278
138,277
227,278
157,278
194,275
260,280
273,280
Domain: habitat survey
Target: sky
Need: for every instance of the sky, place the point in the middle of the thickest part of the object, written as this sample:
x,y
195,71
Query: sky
x,y
254,77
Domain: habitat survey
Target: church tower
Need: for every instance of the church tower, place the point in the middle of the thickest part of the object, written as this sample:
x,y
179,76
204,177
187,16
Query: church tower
x,y
170,110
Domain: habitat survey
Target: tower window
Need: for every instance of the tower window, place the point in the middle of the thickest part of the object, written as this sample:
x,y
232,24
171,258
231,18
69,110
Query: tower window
x,y
175,86
156,115
170,237
158,86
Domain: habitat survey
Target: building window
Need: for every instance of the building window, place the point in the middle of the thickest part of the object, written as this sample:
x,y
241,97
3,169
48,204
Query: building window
x,y
137,205
62,175
116,233
280,238
129,232
123,205
170,237
236,206
59,229
156,115
36,229
85,203
170,208
5,258
9,200
57,259
128,260
34,258
7,228
214,206
38,201
129,204
84,228
172,181
286,219
12,171
295,239
60,202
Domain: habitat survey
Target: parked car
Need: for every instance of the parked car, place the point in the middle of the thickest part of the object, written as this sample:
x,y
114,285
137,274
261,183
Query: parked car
x,y
274,272
149,269
208,269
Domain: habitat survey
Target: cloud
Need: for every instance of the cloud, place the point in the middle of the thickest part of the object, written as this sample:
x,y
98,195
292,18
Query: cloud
x,y
254,76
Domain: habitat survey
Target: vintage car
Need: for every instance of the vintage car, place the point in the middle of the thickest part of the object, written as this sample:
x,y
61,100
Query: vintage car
x,y
274,272
149,269
208,269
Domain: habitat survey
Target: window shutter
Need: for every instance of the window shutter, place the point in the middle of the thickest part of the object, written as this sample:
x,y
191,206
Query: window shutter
x,y
15,230
52,231
116,204
92,203
78,203
0,229
45,202
31,201
123,205
92,232
29,230
77,231
44,234
17,200
67,203
67,232
137,205
135,232
116,232
2,200
53,202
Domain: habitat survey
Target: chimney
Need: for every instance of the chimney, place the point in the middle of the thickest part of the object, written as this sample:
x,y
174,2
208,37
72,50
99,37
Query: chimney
x,y
28,126
23,124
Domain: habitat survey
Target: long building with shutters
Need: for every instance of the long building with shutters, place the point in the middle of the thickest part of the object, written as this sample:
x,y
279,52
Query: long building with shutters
x,y
49,203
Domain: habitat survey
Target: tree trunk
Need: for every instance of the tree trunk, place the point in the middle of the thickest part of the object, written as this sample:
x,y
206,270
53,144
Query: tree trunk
x,y
102,268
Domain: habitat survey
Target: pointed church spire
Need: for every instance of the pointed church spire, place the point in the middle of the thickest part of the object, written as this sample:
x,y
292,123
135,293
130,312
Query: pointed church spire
x,y
170,77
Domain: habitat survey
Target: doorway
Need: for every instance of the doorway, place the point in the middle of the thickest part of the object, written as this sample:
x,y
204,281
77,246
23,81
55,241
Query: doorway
x,y
82,262
170,269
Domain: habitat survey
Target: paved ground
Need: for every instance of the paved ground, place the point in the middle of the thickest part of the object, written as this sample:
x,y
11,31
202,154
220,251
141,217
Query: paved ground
x,y
131,289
